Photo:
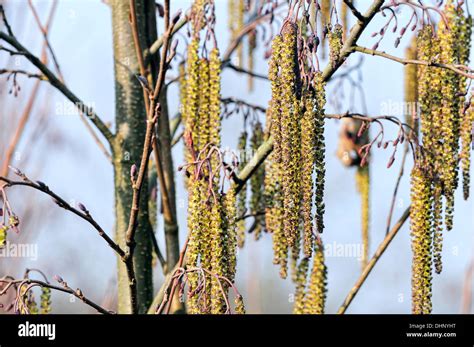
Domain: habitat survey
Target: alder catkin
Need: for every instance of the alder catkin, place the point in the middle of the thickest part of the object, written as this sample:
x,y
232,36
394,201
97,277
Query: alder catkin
x,y
300,280
257,202
335,44
215,98
411,86
325,21
420,227
45,302
202,134
315,298
290,127
295,120
450,107
363,186
344,20
320,95
467,116
308,158
242,196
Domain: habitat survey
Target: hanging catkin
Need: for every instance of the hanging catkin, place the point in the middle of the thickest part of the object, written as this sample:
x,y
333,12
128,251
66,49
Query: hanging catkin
x,y
335,43
290,128
300,280
450,107
274,212
363,186
295,120
345,19
242,197
467,114
411,86
421,219
325,6
315,298
211,251
257,202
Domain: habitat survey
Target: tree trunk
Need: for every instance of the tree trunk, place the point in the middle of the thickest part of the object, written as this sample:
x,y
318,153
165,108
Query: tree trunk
x,y
130,116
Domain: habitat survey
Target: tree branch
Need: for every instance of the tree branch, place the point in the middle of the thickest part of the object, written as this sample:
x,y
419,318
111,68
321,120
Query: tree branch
x,y
55,82
459,69
82,213
370,265
64,288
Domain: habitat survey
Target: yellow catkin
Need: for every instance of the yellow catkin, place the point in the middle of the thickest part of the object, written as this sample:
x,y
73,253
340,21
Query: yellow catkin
x,y
202,134
295,120
344,20
257,203
215,97
315,298
32,305
197,10
335,44
275,211
236,13
467,118
325,21
300,280
230,239
430,96
240,25
242,197
252,38
437,227
239,305
231,15
218,260
274,215
450,107
320,95
276,100
420,228
308,157
45,304
363,186
191,104
195,206
411,85
290,128
182,90
3,235
466,142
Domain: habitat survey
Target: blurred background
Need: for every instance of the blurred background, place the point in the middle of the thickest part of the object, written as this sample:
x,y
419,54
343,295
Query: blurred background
x,y
58,149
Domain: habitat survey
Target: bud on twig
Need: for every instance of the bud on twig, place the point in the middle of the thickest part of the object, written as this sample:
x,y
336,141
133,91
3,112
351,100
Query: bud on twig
x,y
133,173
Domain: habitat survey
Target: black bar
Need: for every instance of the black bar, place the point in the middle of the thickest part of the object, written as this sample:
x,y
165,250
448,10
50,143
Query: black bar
x,y
291,330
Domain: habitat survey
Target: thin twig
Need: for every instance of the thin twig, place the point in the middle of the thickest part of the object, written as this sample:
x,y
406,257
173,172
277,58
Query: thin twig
x,y
84,214
370,265
55,82
459,69
64,288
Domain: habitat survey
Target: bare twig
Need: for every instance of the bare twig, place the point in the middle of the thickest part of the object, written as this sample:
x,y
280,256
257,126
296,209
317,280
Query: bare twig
x,y
55,82
82,212
370,265
459,69
30,283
